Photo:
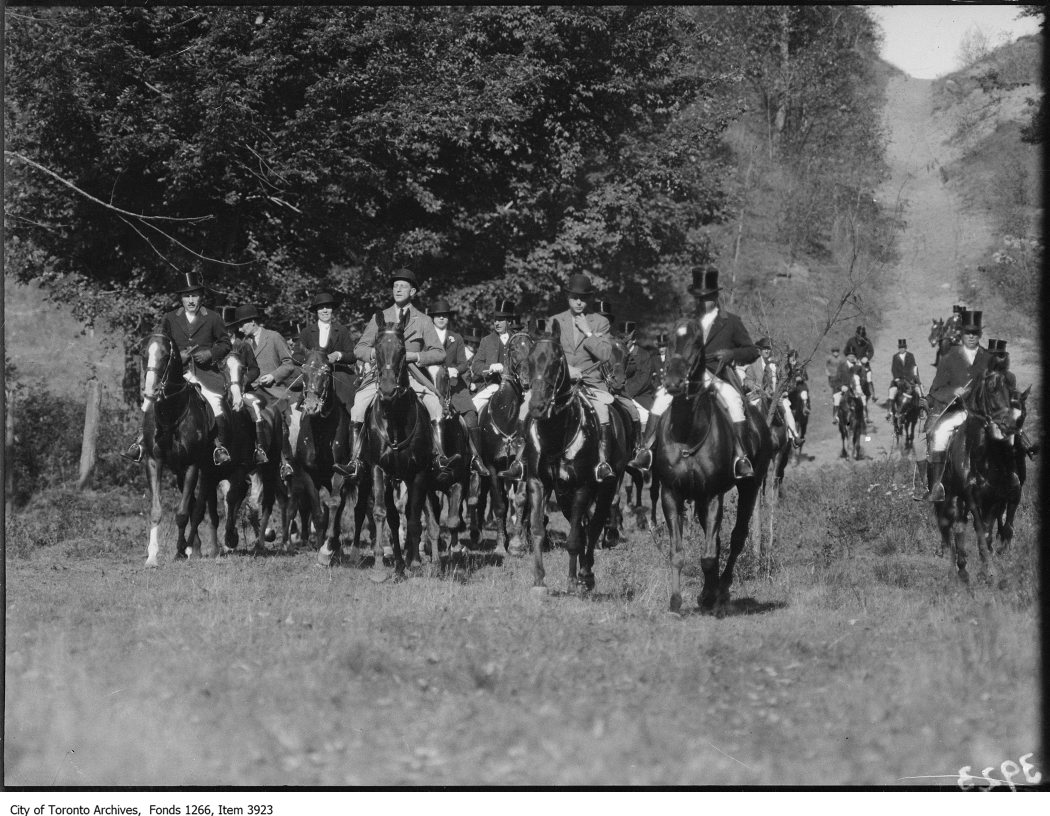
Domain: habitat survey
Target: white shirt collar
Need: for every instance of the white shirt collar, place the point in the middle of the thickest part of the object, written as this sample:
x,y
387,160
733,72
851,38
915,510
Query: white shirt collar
x,y
442,334
503,338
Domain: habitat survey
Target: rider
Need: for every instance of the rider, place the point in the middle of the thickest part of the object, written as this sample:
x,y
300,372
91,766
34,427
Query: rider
x,y
726,342
276,369
491,358
202,340
337,342
1001,361
585,342
760,378
603,308
422,348
840,382
796,373
959,367
459,395
903,368
863,348
642,372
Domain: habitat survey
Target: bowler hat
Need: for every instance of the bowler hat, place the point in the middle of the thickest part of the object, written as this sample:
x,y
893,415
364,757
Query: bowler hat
x,y
902,344
193,282
242,314
405,275
603,308
322,299
471,337
661,339
505,309
628,327
764,343
971,321
579,284
439,307
705,282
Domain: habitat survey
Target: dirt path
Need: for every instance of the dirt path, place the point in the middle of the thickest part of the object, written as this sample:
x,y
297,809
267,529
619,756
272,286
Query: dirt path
x,y
940,239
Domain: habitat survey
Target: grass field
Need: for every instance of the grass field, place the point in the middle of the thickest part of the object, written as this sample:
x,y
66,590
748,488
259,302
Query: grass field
x,y
853,657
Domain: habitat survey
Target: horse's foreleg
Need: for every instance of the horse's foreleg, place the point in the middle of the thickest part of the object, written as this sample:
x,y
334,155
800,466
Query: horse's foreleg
x,y
454,516
234,499
208,512
980,529
710,513
393,519
673,517
747,497
416,497
537,531
182,512
153,473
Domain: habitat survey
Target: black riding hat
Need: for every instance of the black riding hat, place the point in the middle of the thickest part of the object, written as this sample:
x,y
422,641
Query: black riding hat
x,y
439,307
405,275
505,310
322,299
603,308
193,282
579,284
705,282
902,344
764,343
242,314
971,321
661,339
628,327
997,347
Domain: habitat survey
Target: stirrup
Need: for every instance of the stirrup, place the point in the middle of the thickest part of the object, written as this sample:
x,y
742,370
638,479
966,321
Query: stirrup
x,y
260,456
603,471
133,457
286,470
349,469
742,468
936,493
220,456
643,460
515,471
478,467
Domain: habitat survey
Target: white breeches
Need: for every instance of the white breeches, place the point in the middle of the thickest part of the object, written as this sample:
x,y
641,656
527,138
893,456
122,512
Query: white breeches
x,y
789,418
252,402
214,399
643,415
730,397
481,399
940,435
599,400
366,393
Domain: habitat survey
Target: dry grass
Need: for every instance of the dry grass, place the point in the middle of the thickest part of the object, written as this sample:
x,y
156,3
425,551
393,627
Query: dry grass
x,y
863,661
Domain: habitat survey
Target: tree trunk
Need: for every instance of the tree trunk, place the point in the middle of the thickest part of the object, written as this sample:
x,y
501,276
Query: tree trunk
x,y
87,449
9,442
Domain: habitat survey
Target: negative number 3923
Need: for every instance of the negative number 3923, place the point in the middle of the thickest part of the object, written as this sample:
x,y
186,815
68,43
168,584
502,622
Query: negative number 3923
x,y
1010,770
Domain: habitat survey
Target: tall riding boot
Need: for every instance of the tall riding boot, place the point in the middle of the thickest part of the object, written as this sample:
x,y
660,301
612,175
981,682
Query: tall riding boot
x,y
474,441
741,464
221,454
938,459
834,414
603,470
134,451
920,490
441,461
643,457
352,467
260,443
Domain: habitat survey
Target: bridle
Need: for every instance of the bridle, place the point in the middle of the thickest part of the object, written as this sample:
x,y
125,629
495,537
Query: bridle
x,y
399,372
561,396
319,372
160,386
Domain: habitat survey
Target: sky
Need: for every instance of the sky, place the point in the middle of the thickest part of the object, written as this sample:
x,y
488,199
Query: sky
x,y
923,41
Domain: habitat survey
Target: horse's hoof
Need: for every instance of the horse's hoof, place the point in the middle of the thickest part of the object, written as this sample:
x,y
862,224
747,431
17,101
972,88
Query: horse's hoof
x,y
151,562
676,602
324,559
538,591
380,578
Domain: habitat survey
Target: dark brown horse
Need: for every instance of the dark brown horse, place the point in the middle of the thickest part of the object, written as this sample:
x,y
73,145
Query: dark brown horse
x,y
1004,506
260,483
978,470
693,456
942,337
905,411
798,399
397,445
561,452
614,371
454,482
850,415
318,432
500,439
177,432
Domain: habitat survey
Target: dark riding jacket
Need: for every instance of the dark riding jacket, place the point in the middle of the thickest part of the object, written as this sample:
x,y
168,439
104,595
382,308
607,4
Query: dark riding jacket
x,y
456,357
344,373
727,332
954,371
861,346
207,333
643,374
906,369
490,350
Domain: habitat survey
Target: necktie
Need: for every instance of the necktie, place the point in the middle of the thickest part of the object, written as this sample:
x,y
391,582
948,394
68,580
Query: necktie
x,y
401,314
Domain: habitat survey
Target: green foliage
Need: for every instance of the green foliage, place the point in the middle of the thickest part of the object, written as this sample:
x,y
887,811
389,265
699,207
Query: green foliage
x,y
1016,272
494,150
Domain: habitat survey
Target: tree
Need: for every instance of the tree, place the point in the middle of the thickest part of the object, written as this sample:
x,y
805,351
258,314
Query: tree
x,y
974,47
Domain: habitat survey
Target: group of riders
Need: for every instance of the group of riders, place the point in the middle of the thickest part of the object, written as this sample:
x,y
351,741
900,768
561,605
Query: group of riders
x,y
737,370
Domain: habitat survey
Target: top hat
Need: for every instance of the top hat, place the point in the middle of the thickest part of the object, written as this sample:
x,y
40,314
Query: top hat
x,y
661,339
863,332
322,299
834,349
628,327
242,314
958,307
194,282
902,344
764,343
471,337
603,308
851,353
405,275
997,346
504,309
971,321
579,284
705,282
229,316
541,325
439,307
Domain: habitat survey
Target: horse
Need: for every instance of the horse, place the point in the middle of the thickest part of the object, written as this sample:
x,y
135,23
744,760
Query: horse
x,y
906,409
693,456
177,431
561,451
453,482
320,422
500,438
614,371
1005,509
261,483
978,463
397,444
800,410
850,414
940,338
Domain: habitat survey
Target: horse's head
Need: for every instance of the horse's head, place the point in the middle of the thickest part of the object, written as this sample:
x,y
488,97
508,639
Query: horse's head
x,y
847,410
685,355
234,371
936,331
990,399
548,373
163,367
1019,404
317,381
391,361
519,345
616,368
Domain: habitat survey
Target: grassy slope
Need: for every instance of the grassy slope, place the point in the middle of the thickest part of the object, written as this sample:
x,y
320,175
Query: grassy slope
x,y
863,661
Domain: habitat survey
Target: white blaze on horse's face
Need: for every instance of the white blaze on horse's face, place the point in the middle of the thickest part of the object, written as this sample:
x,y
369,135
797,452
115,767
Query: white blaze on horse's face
x,y
153,356
233,367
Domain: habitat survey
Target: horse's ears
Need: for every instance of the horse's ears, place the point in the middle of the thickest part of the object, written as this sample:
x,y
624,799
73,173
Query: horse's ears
x,y
379,320
555,329
1024,394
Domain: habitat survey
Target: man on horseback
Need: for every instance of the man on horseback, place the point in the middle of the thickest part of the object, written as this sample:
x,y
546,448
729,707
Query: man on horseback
x,y
459,395
761,381
585,342
903,368
275,371
958,369
337,342
1000,361
203,342
489,362
862,347
643,373
726,342
423,348
840,383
